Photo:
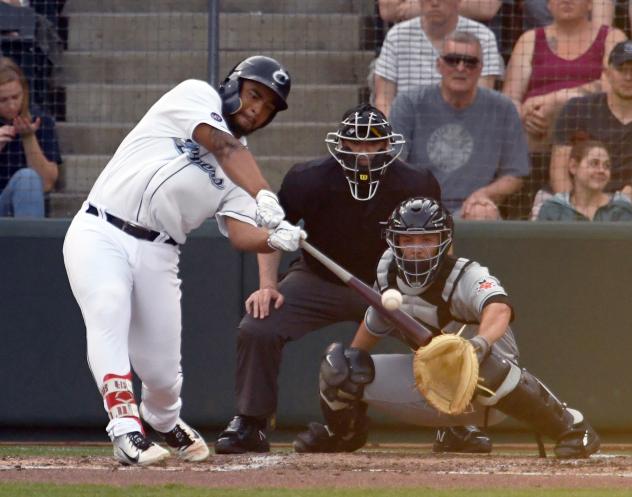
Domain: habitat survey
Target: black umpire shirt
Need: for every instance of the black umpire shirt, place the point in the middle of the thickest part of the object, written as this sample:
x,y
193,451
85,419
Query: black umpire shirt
x,y
345,229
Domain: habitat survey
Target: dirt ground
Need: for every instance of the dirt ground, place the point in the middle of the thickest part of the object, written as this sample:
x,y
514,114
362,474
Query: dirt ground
x,y
401,466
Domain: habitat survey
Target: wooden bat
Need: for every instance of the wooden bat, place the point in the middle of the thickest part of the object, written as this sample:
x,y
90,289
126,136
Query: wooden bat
x,y
416,333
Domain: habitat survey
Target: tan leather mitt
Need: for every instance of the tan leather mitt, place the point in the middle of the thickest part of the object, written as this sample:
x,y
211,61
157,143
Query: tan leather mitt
x,y
446,373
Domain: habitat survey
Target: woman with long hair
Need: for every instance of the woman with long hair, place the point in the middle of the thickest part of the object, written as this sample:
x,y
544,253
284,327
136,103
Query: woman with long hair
x,y
29,149
589,168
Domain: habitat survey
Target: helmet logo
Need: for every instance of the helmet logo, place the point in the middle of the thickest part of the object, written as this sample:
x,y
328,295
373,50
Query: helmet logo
x,y
216,116
364,177
280,76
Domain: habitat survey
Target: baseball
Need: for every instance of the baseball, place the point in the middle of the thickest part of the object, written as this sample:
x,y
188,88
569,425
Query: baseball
x,y
391,299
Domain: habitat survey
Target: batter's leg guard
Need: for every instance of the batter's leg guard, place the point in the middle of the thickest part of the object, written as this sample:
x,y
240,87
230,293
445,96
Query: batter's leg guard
x,y
130,445
343,376
524,397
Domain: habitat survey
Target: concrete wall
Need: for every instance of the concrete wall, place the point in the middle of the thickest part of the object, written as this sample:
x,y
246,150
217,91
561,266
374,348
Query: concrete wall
x,y
569,285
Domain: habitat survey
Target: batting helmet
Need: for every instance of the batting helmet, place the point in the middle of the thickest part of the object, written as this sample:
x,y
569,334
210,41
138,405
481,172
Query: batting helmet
x,y
418,261
264,70
363,170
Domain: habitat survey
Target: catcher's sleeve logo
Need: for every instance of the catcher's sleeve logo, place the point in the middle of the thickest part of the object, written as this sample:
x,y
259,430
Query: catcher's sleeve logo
x,y
485,284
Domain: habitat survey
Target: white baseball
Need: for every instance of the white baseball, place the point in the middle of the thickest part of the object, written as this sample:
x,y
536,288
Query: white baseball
x,y
391,299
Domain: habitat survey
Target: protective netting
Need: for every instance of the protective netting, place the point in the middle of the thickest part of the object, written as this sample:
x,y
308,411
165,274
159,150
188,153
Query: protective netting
x,y
94,67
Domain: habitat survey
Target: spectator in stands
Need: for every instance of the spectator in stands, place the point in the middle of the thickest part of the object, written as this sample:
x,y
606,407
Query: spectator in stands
x,y
551,65
409,53
606,117
40,57
503,17
589,169
536,13
29,151
470,137
394,11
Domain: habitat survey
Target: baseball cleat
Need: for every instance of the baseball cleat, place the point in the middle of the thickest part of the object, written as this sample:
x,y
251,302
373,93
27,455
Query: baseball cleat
x,y
580,443
186,442
318,438
243,434
134,449
463,439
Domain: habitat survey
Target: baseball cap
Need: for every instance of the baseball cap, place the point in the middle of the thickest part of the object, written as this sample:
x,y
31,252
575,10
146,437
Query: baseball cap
x,y
621,53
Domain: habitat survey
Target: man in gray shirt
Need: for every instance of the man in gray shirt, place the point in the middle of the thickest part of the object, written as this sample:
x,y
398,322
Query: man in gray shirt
x,y
470,137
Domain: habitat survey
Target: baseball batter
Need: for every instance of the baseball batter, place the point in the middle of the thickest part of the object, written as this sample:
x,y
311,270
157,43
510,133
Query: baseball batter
x,y
185,161
443,293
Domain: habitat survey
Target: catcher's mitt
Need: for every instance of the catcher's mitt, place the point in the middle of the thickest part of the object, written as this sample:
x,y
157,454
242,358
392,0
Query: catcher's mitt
x,y
446,373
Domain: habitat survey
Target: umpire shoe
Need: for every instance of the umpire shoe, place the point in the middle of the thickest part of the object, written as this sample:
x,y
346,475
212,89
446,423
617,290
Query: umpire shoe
x,y
243,434
579,443
468,439
134,449
187,443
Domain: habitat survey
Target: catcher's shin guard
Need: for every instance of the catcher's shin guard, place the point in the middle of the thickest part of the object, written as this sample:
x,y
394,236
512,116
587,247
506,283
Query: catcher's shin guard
x,y
525,398
343,375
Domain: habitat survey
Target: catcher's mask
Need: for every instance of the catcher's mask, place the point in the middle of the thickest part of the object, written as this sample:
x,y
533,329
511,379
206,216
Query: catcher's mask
x,y
264,70
363,169
418,265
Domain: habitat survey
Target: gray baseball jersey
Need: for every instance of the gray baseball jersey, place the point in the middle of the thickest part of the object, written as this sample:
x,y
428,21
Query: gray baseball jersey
x,y
458,296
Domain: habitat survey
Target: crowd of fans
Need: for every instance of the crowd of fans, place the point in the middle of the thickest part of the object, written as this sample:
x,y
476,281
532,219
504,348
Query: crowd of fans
x,y
445,73
563,64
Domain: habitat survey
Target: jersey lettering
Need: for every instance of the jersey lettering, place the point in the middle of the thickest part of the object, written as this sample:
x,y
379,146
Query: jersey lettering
x,y
192,150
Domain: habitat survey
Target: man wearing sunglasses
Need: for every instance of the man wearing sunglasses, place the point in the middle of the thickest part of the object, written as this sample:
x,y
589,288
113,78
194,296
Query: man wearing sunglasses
x,y
407,58
470,137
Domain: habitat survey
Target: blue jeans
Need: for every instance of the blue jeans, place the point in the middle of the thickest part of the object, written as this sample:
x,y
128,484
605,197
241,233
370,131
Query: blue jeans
x,y
23,196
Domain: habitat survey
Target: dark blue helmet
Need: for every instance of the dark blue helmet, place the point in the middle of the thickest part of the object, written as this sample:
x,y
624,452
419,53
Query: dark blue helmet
x,y
418,265
264,70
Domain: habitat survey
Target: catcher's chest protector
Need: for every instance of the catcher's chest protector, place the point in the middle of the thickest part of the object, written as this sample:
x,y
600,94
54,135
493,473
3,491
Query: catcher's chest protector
x,y
439,295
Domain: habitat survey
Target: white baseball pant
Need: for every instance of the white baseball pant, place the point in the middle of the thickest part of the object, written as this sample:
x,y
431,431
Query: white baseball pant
x,y
129,294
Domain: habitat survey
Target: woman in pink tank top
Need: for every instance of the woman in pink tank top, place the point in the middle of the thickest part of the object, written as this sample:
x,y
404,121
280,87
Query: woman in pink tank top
x,y
551,65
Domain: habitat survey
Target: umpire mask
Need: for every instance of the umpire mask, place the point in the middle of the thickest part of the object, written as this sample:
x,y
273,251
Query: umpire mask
x,y
419,258
364,145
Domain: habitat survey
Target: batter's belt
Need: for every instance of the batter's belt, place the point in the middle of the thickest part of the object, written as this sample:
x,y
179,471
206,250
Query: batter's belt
x,y
130,228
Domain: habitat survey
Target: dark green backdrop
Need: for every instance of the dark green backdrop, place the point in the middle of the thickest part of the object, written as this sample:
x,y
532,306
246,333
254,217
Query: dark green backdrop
x,y
569,285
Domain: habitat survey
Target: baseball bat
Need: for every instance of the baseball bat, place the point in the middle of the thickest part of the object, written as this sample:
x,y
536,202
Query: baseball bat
x,y
405,323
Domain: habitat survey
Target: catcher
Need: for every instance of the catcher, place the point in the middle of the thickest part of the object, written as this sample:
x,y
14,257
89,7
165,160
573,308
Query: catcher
x,y
445,294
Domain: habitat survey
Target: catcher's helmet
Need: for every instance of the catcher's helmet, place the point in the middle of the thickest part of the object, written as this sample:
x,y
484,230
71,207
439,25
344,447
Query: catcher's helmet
x,y
418,264
363,170
264,70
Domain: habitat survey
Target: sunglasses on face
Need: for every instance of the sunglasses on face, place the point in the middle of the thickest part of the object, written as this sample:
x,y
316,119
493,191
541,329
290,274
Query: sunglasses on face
x,y
454,59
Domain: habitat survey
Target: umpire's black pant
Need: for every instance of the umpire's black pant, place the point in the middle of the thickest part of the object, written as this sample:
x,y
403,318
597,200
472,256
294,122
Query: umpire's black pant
x,y
311,303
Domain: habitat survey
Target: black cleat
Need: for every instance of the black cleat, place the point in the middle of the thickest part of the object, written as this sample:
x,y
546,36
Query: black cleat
x,y
243,434
579,443
464,439
317,438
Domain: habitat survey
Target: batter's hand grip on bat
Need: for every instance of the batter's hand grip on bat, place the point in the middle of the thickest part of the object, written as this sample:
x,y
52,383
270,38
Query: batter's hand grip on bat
x,y
416,333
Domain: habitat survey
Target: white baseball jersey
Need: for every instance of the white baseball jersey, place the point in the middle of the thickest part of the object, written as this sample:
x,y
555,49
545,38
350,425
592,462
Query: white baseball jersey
x,y
455,299
161,179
